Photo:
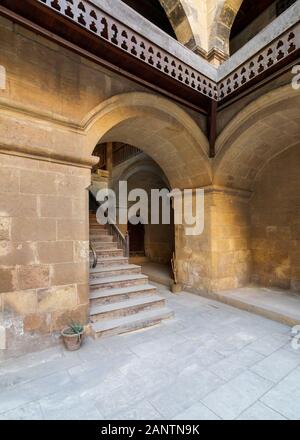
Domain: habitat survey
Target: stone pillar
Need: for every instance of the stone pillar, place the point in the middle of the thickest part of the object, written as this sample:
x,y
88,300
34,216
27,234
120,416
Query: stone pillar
x,y
44,251
230,239
194,254
219,258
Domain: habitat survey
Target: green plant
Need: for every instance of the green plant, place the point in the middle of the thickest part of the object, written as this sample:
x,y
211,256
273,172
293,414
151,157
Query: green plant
x,y
75,328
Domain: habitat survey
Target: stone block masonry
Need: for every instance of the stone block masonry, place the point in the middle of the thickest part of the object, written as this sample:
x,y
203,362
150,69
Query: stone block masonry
x,y
275,218
44,265
56,107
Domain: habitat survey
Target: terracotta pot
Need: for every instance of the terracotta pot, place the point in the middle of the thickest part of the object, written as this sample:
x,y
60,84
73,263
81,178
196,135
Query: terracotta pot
x,y
72,341
176,287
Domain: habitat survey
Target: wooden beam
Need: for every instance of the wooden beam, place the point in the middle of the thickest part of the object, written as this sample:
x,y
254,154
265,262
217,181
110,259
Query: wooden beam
x,y
212,128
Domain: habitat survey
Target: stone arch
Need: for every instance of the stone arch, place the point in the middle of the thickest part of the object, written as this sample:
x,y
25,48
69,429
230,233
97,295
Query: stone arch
x,y
158,238
158,127
185,18
220,22
264,129
141,166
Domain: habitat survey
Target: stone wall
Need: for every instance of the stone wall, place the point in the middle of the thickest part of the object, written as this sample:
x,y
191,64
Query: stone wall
x,y
55,108
275,218
51,80
230,236
43,247
193,254
220,258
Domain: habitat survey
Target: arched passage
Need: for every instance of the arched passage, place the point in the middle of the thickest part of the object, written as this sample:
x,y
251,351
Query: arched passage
x,y
258,153
154,240
261,131
167,134
158,127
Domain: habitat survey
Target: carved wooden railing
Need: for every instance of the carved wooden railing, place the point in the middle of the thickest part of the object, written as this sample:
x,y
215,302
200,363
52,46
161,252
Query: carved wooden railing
x,y
124,152
88,15
264,60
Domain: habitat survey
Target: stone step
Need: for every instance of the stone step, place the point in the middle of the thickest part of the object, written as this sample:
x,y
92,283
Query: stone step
x,y
111,261
97,230
104,253
105,245
96,224
124,269
110,296
102,238
118,281
94,237
125,308
99,233
131,323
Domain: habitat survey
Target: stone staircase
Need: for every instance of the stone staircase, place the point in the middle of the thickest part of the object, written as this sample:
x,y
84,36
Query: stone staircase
x,y
121,299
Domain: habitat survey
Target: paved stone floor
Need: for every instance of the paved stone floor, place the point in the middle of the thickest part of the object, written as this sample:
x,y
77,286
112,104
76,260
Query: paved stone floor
x,y
211,362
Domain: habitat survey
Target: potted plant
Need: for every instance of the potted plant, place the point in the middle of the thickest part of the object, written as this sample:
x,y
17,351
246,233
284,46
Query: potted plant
x,y
176,287
73,336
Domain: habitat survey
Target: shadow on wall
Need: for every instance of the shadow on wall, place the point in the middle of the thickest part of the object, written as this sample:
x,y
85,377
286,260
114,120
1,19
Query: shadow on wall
x,y
275,223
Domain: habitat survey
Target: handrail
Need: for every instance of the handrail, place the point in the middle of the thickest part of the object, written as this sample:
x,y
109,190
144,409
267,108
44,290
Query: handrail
x,y
95,258
122,240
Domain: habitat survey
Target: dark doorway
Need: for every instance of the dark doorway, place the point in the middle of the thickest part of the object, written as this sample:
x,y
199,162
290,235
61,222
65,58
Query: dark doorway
x,y
136,239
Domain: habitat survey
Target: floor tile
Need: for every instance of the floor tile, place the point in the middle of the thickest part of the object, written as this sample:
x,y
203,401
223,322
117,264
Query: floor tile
x,y
285,397
197,412
231,399
259,411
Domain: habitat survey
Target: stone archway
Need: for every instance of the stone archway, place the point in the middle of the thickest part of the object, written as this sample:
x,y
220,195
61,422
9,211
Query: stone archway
x,y
175,142
220,20
204,27
261,131
158,127
257,158
158,239
185,19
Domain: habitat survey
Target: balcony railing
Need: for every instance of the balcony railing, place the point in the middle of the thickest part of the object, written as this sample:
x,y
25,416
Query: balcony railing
x,y
124,152
261,62
148,62
88,15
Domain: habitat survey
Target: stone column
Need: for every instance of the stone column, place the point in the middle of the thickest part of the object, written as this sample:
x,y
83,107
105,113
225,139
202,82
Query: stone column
x,y
219,258
44,252
231,259
194,254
